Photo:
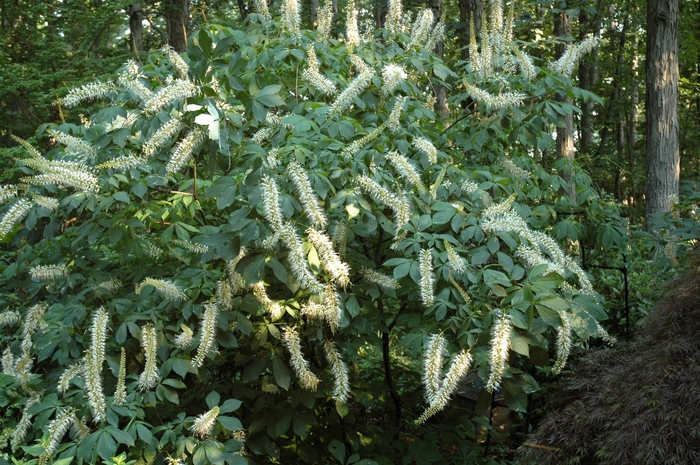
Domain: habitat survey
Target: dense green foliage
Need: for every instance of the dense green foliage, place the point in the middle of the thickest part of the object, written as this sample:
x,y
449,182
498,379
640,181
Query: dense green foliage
x,y
267,211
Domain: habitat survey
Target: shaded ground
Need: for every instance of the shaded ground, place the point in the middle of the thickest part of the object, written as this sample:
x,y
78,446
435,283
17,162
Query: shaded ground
x,y
637,403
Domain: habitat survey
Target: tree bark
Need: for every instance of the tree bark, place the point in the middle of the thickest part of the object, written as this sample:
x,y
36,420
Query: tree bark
x,y
440,93
136,27
663,155
587,76
565,131
468,10
177,15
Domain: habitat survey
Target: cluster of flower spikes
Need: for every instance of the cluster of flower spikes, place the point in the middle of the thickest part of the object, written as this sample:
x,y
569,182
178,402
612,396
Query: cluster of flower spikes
x,y
499,56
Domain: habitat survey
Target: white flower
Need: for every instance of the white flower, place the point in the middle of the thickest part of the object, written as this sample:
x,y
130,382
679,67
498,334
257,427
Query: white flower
x,y
16,213
355,87
162,136
341,385
183,340
394,17
176,60
165,288
120,391
183,152
307,196
271,203
424,145
7,192
177,91
48,273
273,307
394,120
407,170
500,347
379,279
9,317
457,263
149,343
427,281
20,431
57,428
73,144
352,33
421,28
207,329
307,379
563,343
203,424
93,90
325,20
291,20
331,261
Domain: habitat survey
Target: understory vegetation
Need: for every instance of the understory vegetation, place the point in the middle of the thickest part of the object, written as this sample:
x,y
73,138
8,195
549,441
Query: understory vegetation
x,y
273,249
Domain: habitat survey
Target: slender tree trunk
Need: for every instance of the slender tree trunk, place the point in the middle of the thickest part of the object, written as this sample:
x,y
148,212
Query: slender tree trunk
x,y
136,26
587,75
469,10
440,94
663,156
565,131
177,14
243,9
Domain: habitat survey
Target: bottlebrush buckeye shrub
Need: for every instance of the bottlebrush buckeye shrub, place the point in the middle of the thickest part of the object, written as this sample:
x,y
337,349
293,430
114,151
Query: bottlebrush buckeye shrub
x,y
212,265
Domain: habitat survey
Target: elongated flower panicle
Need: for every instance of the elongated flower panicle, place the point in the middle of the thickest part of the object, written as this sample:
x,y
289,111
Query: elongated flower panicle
x,y
48,273
149,343
207,328
566,63
352,149
469,187
47,203
92,375
500,346
393,122
340,237
73,144
273,307
176,60
8,362
57,428
291,17
163,287
341,384
458,369
465,296
25,422
432,366
129,79
98,333
398,203
73,371
297,259
355,87
191,246
330,260
203,424
307,379
271,203
125,162
78,428
436,36
352,32
563,343
184,339
457,263
7,192
16,213
33,319
427,280
325,21
162,136
379,279
605,336
120,391
260,7
183,152
424,145
421,28
333,310
494,102
175,92
309,200
392,76
313,75
91,91
9,317
224,294
511,168
407,170
394,17
61,173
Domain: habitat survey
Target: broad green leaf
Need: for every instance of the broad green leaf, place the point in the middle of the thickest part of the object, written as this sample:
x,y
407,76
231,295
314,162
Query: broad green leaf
x,y
230,405
337,450
213,399
281,372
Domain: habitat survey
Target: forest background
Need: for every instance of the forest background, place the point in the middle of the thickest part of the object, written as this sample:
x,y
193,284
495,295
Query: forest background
x,y
584,136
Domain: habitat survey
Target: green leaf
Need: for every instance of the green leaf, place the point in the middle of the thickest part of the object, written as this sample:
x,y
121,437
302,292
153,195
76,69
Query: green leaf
x,y
144,433
230,405
121,196
230,423
181,366
514,396
213,399
281,372
337,450
106,446
254,271
120,436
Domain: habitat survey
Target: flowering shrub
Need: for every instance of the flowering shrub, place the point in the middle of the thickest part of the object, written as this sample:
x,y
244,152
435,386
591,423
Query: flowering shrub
x,y
241,229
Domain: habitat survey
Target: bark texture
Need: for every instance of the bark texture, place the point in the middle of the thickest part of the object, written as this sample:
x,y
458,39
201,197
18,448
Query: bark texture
x,y
177,14
663,155
136,26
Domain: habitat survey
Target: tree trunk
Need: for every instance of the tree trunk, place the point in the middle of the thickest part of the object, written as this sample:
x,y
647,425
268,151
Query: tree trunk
x,y
440,94
663,156
468,10
136,27
177,15
587,75
565,131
